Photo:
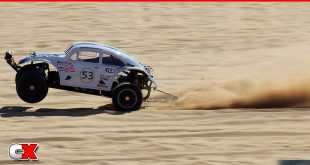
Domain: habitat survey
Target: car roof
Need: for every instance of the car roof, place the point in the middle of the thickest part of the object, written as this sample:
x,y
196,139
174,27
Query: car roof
x,y
117,51
97,46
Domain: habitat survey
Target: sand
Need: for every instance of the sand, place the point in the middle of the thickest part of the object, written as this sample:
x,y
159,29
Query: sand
x,y
239,69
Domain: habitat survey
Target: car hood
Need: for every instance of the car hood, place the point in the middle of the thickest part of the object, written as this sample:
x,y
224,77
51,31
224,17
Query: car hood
x,y
44,56
48,54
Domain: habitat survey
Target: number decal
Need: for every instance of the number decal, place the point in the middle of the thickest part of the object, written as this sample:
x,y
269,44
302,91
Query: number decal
x,y
90,75
87,75
84,74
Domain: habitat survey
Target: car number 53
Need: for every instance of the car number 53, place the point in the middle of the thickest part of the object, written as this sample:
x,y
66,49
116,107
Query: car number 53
x,y
87,75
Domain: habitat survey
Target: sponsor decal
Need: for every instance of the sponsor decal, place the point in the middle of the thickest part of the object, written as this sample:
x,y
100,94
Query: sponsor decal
x,y
101,86
104,77
110,70
87,75
65,67
102,82
23,151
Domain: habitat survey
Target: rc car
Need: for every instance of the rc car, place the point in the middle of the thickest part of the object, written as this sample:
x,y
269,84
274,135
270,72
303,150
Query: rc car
x,y
84,67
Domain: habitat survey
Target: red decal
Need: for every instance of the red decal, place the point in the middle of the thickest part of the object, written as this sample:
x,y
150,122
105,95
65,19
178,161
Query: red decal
x,y
65,67
29,151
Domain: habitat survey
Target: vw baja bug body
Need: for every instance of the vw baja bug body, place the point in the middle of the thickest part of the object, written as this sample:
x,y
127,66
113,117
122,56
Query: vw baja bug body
x,y
84,67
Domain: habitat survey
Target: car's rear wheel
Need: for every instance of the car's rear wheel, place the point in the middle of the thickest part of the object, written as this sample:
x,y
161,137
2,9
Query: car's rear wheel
x,y
32,86
127,97
24,69
17,76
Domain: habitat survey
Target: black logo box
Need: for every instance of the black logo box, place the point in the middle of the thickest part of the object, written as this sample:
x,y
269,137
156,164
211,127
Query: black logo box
x,y
294,162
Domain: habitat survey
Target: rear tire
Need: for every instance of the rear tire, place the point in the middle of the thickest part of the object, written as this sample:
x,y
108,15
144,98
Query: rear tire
x,y
127,97
17,76
24,69
32,86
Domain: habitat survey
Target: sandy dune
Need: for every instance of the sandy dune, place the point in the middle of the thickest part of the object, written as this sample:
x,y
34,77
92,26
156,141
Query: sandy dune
x,y
240,71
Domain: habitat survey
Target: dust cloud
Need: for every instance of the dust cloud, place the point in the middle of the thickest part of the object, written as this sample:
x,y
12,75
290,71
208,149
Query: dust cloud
x,y
245,94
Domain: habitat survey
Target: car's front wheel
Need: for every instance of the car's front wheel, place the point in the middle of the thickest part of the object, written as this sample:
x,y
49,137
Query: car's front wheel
x,y
32,87
127,97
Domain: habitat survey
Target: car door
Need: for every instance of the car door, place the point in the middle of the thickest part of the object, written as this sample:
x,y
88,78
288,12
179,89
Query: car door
x,y
85,72
110,67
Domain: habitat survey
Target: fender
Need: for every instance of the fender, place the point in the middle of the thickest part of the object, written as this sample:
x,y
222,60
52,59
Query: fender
x,y
154,85
39,58
26,60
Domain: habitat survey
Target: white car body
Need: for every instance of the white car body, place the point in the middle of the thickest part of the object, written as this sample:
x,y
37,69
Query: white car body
x,y
75,72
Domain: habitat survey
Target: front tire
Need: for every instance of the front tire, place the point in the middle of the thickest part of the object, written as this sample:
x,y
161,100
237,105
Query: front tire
x,y
127,97
32,87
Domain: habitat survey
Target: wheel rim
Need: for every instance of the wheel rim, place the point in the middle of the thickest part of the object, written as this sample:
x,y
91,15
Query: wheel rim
x,y
32,87
127,98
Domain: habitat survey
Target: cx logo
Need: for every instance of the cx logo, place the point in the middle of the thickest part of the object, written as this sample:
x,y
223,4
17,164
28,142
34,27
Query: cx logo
x,y
23,151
